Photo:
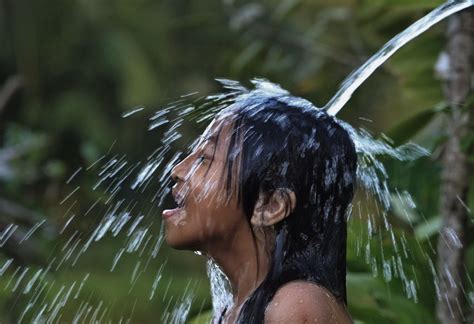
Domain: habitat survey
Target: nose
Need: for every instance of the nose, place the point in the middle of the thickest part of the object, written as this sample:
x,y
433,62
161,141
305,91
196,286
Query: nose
x,y
175,175
179,171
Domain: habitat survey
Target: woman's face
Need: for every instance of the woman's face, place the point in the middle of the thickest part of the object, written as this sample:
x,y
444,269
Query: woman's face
x,y
205,213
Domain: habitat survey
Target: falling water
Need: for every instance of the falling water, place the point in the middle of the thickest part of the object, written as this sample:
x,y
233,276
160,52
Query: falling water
x,y
131,193
121,185
356,78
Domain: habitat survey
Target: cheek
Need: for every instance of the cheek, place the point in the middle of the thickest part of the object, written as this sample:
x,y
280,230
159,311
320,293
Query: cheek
x,y
206,215
197,226
191,228
208,194
181,235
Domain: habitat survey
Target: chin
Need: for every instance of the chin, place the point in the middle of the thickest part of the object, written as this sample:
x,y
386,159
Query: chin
x,y
179,242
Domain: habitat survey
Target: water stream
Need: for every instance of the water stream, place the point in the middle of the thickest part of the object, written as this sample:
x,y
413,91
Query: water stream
x,y
356,78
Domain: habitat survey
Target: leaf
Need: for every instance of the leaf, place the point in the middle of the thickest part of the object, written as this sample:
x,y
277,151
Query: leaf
x,y
411,126
402,209
55,168
368,302
427,229
203,318
284,8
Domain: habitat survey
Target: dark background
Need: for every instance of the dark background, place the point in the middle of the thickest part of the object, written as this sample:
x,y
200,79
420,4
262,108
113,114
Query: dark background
x,y
70,69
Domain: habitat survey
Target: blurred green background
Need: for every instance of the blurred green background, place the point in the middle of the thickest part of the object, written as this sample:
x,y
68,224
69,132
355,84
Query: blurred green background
x,y
70,69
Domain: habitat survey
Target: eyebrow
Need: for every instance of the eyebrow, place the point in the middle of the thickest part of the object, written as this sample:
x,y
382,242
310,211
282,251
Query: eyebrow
x,y
210,138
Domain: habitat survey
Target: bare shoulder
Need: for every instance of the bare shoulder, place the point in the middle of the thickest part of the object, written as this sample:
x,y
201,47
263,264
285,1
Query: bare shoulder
x,y
305,302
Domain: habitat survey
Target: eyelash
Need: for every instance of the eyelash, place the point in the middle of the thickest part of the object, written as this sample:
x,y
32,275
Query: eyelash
x,y
201,159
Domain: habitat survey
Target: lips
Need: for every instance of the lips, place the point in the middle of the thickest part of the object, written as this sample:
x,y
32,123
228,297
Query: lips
x,y
167,213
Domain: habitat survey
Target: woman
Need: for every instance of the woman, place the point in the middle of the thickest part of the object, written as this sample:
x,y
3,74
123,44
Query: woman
x,y
265,194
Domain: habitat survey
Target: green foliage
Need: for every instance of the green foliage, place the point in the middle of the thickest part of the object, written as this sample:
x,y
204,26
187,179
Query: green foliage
x,y
374,294
203,318
408,128
85,62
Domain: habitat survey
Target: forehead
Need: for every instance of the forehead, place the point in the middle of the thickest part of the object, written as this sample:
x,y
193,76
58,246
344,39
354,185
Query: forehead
x,y
218,132
220,141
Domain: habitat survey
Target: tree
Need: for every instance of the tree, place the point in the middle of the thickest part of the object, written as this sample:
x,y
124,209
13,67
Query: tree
x,y
455,175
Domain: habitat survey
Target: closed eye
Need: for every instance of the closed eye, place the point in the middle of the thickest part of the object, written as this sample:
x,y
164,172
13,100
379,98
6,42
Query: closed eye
x,y
203,157
200,159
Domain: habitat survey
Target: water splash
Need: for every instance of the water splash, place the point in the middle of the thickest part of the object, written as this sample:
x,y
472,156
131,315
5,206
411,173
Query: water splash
x,y
220,288
130,193
122,183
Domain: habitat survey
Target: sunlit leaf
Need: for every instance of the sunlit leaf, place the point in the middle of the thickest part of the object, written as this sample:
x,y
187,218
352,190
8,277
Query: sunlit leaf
x,y
403,210
427,229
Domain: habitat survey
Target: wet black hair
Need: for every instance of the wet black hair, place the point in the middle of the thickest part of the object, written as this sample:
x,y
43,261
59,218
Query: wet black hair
x,y
303,149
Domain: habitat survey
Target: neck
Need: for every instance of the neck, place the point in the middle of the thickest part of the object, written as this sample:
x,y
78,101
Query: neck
x,y
243,260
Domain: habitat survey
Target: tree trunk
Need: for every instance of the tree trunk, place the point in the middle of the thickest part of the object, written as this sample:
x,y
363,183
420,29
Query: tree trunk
x,y
455,174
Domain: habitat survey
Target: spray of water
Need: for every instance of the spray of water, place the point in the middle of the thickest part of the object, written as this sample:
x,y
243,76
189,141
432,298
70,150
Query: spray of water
x,y
122,184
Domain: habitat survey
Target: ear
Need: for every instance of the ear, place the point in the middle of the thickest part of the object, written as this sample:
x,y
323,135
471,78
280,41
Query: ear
x,y
272,209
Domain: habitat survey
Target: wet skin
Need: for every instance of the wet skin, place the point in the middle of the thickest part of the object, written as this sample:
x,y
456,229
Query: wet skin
x,y
210,221
207,217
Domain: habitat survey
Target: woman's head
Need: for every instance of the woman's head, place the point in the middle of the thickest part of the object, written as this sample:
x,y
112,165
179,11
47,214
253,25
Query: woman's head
x,y
208,210
279,150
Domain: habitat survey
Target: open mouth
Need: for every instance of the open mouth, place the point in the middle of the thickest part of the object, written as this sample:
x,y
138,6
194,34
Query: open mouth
x,y
178,198
180,204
